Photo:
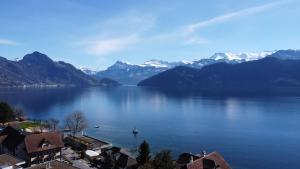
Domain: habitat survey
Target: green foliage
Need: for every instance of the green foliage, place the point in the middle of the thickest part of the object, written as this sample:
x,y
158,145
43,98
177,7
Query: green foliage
x,y
24,125
146,166
163,160
6,113
144,154
19,113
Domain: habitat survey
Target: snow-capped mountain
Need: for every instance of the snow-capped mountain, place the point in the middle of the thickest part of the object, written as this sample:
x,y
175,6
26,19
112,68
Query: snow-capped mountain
x,y
241,56
163,64
88,71
127,73
277,72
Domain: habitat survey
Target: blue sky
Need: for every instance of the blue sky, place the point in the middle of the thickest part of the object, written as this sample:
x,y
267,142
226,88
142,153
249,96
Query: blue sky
x,y
96,33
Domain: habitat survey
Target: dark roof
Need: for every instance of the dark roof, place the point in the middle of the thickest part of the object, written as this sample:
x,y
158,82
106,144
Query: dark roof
x,y
90,142
11,137
10,160
95,143
34,142
54,165
126,161
2,138
210,161
111,150
185,158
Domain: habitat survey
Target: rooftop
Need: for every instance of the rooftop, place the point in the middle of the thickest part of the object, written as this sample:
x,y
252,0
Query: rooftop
x,y
184,158
8,160
53,165
43,141
89,141
210,161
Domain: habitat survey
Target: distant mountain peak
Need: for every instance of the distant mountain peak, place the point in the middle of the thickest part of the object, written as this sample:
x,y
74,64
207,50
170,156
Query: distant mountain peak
x,y
287,54
88,71
37,69
123,62
36,57
120,65
241,56
269,73
155,63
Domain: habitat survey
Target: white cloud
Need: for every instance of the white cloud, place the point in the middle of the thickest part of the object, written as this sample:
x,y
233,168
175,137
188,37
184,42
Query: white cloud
x,y
226,17
111,45
195,40
7,42
128,23
118,33
129,29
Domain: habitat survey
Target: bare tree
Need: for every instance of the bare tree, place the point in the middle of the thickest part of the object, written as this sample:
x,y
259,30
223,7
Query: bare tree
x,y
19,113
53,124
76,122
43,125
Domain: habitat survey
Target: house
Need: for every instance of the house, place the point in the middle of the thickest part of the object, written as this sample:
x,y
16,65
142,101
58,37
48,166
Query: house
x,y
43,147
9,162
123,159
211,161
53,165
85,142
32,148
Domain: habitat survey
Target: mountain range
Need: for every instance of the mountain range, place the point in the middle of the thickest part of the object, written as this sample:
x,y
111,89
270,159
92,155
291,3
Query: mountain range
x,y
278,70
127,73
37,69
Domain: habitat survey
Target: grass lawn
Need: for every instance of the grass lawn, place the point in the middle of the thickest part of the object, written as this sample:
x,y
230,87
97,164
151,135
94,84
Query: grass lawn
x,y
28,124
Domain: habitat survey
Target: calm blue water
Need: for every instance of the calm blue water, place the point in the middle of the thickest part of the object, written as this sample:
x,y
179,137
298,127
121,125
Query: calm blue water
x,y
253,132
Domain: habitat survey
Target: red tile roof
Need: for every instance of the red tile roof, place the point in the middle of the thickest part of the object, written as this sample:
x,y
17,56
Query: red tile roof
x,y
219,160
11,160
198,164
210,161
33,142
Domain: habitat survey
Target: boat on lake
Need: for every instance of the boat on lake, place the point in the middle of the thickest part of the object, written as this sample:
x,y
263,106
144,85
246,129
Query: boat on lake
x,y
135,131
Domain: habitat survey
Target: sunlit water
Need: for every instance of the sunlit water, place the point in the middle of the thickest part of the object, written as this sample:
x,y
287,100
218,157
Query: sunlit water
x,y
253,132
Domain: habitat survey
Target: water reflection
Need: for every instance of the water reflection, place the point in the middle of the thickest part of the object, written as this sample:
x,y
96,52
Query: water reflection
x,y
180,121
39,101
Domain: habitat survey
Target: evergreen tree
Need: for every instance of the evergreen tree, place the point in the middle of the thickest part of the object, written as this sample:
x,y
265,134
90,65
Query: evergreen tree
x,y
163,160
109,162
6,113
146,166
144,154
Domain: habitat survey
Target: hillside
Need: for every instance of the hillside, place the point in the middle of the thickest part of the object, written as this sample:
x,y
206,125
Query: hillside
x,y
37,69
269,72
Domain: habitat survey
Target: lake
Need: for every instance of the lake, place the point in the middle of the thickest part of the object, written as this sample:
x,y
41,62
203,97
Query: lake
x,y
250,131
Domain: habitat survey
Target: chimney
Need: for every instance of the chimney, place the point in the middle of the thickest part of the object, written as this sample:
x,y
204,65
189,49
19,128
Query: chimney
x,y
191,158
203,153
